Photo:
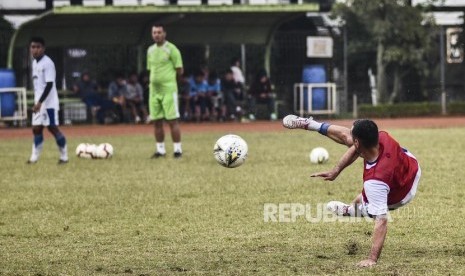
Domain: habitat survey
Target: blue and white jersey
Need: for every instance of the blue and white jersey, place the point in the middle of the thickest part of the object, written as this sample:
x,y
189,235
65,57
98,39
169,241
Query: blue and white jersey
x,y
43,71
214,87
197,88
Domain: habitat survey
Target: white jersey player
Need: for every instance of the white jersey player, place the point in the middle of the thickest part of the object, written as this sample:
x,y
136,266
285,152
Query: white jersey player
x,y
46,104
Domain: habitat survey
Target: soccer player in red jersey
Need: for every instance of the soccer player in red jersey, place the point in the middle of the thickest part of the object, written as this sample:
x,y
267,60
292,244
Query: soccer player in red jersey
x,y
390,177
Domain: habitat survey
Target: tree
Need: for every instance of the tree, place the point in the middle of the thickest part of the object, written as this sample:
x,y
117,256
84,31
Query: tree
x,y
6,31
394,30
408,42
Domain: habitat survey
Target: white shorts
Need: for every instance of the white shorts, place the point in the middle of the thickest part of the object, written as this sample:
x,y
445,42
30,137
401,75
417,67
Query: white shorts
x,y
45,117
378,197
411,193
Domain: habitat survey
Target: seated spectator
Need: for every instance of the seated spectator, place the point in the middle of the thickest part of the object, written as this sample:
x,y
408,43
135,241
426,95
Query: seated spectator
x,y
198,95
87,90
232,95
116,91
215,96
261,92
134,98
237,72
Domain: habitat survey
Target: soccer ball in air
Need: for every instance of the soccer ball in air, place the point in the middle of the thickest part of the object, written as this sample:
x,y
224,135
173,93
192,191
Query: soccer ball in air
x,y
319,155
230,151
85,150
104,151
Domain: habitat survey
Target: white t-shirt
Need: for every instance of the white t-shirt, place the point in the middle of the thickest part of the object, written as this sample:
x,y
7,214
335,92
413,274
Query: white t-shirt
x,y
237,74
43,72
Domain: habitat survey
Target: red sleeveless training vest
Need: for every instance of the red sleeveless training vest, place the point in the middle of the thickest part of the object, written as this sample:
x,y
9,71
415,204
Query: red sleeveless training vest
x,y
393,167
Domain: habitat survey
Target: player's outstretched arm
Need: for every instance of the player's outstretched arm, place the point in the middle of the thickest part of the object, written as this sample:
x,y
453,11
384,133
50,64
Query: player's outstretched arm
x,y
348,158
379,234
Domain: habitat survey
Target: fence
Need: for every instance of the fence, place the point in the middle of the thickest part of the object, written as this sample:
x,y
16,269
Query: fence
x,y
13,104
315,98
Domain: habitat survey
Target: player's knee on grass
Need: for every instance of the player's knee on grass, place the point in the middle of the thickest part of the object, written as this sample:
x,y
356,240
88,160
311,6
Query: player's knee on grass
x,y
357,199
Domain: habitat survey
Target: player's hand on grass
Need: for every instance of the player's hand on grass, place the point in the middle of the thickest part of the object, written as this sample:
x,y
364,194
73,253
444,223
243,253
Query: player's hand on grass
x,y
36,107
329,176
366,263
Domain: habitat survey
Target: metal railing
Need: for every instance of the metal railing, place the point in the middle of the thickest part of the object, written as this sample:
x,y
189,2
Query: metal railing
x,y
304,98
20,103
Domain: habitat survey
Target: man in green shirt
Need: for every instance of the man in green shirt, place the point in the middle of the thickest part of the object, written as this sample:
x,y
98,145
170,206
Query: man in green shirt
x,y
164,62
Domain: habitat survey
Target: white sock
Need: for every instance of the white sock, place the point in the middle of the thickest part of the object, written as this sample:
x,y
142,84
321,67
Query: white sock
x,y
63,153
161,148
355,210
351,211
314,125
177,147
36,152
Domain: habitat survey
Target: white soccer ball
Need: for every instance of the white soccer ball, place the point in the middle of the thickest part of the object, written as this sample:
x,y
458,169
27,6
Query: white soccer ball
x,y
80,149
104,151
319,155
85,150
230,151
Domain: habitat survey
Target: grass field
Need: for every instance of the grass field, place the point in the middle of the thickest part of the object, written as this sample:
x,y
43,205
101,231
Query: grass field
x,y
133,215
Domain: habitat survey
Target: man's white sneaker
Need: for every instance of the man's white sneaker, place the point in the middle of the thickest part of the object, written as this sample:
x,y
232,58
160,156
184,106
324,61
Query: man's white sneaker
x,y
338,208
293,121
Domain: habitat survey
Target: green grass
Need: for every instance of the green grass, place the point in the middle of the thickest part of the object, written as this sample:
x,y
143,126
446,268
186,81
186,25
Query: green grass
x,y
133,215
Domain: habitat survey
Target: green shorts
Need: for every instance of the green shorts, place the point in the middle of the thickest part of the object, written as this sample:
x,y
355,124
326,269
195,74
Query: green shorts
x,y
163,104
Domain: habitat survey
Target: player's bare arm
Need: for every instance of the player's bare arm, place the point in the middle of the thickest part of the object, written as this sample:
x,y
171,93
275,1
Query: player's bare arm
x,y
379,235
348,158
179,73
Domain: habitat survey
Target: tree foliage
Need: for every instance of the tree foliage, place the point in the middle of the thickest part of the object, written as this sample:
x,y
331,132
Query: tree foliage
x,y
397,32
6,32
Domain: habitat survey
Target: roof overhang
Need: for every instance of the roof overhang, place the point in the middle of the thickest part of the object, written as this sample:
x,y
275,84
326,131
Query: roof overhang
x,y
130,25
